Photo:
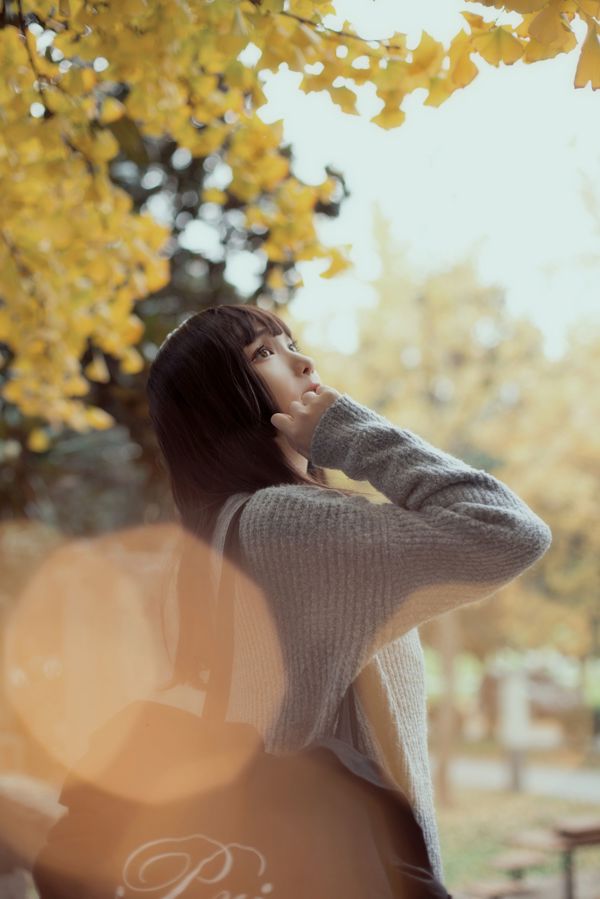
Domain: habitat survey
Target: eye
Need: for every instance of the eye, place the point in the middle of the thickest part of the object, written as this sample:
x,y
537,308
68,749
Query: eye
x,y
263,347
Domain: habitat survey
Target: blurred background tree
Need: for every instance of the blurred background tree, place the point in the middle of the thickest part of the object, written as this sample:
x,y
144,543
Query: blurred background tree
x,y
139,130
444,357
86,82
115,468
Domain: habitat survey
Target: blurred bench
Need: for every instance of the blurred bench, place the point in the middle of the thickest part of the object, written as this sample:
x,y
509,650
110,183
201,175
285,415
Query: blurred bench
x,y
500,889
564,838
516,862
532,848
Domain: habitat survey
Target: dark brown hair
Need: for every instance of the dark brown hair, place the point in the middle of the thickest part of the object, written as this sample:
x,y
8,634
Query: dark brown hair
x,y
211,413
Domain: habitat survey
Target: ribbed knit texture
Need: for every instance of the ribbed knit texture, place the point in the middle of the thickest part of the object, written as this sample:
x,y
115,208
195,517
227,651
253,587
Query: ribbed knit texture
x,y
346,581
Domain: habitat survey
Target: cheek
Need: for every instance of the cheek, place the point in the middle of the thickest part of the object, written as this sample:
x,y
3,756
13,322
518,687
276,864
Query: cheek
x,y
279,389
282,385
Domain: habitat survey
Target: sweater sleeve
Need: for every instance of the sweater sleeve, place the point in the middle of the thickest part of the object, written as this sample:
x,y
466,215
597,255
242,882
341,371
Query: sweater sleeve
x,y
449,535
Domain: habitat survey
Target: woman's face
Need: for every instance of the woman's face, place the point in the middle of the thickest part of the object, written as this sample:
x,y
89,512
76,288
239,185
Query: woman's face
x,y
279,363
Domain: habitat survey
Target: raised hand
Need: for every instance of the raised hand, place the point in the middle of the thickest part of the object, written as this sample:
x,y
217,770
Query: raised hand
x,y
299,423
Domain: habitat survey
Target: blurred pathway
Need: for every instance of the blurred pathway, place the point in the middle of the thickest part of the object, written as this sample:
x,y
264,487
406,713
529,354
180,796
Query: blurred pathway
x,y
541,780
586,887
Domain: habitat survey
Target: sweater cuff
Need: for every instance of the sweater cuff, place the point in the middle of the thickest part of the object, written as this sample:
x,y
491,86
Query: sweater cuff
x,y
337,425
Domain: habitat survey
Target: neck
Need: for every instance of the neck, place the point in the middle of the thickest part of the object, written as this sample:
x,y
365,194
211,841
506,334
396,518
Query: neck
x,y
297,460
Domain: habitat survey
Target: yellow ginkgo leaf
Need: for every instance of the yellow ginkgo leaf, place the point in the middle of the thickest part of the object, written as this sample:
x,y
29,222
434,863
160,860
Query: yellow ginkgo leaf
x,y
339,263
439,90
134,7
326,190
131,362
133,329
275,278
588,67
462,68
477,23
302,7
550,24
310,83
534,51
38,440
77,80
112,110
76,386
426,59
214,195
239,24
499,45
98,418
97,370
273,251
520,6
590,7
157,273
522,29
464,71
271,6
89,78
389,118
345,98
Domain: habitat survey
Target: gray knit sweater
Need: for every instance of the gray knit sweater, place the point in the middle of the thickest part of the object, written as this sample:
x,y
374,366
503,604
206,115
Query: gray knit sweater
x,y
345,583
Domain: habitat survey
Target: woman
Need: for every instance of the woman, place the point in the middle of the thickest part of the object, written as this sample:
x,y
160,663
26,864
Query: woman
x,y
241,416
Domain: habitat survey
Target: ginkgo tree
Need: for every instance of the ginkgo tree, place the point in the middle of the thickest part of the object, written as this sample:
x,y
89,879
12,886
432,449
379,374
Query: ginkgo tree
x,y
462,370
75,257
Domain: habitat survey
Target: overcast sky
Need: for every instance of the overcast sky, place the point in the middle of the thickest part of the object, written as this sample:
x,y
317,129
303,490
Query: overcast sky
x,y
497,173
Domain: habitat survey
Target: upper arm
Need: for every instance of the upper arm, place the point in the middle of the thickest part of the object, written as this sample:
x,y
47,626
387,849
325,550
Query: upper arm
x,y
367,573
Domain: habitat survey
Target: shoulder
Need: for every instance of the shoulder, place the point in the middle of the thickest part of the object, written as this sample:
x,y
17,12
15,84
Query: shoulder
x,y
290,520
272,507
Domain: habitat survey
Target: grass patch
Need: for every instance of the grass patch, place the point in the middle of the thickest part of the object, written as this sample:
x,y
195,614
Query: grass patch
x,y
480,824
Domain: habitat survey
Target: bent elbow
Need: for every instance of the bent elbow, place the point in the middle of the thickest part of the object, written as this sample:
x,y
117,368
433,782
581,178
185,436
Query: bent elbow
x,y
530,543
540,540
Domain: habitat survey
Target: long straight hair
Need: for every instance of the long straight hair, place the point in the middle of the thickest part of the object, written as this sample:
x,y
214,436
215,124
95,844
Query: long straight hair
x,y
211,413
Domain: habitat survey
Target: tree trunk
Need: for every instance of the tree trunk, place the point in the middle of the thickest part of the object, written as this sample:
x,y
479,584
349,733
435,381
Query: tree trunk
x,y
447,644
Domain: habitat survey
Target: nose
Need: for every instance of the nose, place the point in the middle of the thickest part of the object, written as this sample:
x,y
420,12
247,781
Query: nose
x,y
306,364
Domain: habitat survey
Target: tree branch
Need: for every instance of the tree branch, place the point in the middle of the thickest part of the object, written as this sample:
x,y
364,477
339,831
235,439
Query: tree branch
x,y
40,80
319,25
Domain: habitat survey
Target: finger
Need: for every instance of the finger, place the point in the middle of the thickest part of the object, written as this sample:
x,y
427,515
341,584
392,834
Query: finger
x,y
281,421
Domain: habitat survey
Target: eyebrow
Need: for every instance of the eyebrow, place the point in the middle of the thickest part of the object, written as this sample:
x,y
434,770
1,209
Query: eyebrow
x,y
264,331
